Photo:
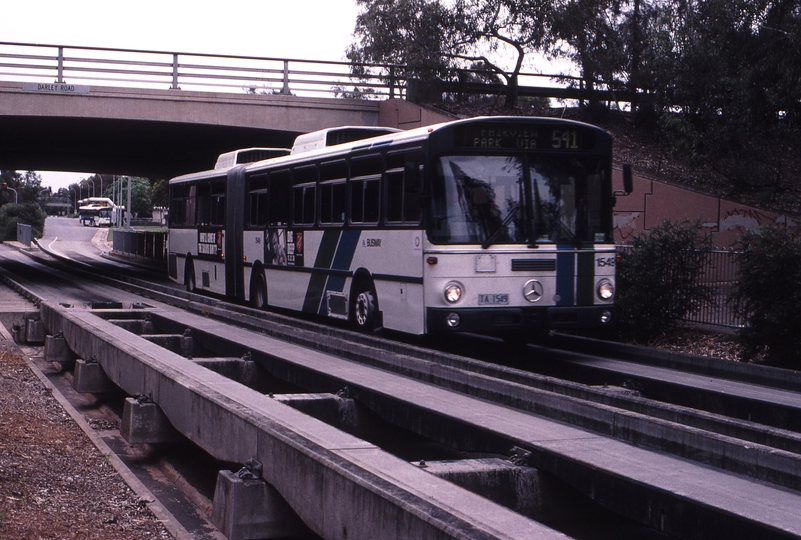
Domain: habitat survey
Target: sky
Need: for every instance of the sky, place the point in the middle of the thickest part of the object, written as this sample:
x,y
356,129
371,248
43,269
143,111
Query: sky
x,y
301,29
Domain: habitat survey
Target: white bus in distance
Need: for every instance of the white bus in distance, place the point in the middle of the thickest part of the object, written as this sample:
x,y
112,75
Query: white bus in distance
x,y
96,211
496,225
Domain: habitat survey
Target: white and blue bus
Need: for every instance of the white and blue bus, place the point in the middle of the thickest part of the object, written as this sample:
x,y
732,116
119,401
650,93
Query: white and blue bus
x,y
96,211
495,225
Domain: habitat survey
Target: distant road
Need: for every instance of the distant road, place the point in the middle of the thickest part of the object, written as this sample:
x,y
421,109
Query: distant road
x,y
66,236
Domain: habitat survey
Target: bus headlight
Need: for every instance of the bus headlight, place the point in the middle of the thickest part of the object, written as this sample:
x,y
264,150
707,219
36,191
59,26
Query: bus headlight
x,y
605,289
453,292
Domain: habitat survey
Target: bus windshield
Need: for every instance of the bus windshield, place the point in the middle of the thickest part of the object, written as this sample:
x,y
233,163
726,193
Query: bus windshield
x,y
532,199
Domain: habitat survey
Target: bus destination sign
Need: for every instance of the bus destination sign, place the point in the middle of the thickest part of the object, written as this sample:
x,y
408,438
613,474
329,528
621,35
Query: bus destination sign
x,y
525,137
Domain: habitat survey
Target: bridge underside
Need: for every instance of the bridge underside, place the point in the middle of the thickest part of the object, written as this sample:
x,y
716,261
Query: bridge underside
x,y
156,149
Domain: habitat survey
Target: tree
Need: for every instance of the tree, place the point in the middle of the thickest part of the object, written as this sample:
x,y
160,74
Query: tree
x,y
487,27
160,193
430,41
29,213
768,295
28,187
658,279
592,34
141,202
404,35
731,68
11,180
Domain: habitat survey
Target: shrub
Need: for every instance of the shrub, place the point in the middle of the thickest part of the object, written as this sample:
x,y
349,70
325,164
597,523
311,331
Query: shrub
x,y
28,213
658,279
768,296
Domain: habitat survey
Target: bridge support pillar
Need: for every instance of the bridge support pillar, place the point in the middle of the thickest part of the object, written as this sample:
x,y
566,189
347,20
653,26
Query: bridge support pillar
x,y
89,377
249,509
56,350
144,422
523,489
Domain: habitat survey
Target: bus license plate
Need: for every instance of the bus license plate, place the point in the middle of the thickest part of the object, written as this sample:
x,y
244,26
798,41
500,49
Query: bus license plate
x,y
493,299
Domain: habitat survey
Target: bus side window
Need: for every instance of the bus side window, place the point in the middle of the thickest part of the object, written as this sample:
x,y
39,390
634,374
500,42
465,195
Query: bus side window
x,y
257,201
333,193
280,197
395,195
204,204
365,189
404,175
189,206
177,199
218,203
413,193
365,200
304,195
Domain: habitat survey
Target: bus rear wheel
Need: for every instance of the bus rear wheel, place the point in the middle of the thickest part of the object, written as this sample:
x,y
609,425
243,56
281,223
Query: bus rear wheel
x,y
258,292
190,277
365,309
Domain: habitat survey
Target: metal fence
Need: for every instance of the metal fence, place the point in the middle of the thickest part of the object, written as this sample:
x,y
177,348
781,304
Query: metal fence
x,y
75,66
720,274
150,245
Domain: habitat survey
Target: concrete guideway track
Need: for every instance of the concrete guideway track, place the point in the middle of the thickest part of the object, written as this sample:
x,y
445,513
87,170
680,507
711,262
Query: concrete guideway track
x,y
692,497
584,467
340,486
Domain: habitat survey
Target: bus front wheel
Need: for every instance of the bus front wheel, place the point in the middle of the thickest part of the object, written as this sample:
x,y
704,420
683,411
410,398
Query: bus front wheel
x,y
365,308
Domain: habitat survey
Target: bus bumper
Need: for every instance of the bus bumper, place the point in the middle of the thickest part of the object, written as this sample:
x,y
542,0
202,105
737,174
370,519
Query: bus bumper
x,y
502,320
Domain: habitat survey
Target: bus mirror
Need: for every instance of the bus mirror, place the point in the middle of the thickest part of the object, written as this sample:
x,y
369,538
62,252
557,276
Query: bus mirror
x,y
628,181
411,172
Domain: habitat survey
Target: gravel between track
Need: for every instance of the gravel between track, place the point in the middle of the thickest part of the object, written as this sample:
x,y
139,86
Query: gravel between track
x,y
54,483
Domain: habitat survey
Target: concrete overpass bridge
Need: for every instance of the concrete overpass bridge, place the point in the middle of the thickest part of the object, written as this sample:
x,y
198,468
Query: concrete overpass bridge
x,y
65,109
158,133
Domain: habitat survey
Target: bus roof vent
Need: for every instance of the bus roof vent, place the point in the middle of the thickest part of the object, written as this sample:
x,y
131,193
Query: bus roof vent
x,y
248,155
340,135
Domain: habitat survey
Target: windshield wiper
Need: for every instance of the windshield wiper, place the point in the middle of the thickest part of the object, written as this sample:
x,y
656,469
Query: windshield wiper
x,y
570,234
506,221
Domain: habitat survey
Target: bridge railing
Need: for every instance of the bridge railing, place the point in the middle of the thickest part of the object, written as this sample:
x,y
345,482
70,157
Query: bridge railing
x,y
74,67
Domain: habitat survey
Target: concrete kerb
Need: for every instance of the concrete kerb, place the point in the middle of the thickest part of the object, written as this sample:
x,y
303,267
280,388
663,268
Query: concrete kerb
x,y
339,485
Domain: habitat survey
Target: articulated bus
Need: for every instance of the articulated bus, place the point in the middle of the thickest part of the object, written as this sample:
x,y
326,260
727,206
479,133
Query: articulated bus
x,y
493,225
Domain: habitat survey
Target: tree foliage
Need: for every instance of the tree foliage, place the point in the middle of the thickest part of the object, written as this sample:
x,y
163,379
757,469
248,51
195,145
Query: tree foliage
x,y
589,32
409,34
717,74
768,295
429,41
658,279
141,195
28,187
29,213
491,27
